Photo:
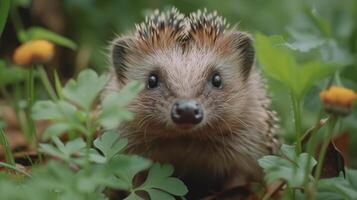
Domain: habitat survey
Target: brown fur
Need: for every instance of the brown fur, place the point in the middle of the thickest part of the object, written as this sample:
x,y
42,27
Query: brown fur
x,y
238,127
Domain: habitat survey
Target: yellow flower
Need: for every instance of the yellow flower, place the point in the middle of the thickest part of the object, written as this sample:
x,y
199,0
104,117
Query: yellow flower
x,y
338,100
33,52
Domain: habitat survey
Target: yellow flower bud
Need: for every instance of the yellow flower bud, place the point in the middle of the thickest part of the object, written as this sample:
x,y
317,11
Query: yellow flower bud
x,y
33,52
338,100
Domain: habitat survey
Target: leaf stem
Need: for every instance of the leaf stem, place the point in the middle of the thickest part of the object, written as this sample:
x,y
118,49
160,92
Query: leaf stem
x,y
325,144
89,135
58,85
30,100
310,150
297,119
46,82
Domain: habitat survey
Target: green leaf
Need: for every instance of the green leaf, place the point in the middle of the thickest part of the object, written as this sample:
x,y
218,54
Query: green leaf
x,y
157,194
288,151
49,110
129,92
344,188
126,167
304,42
96,157
159,179
113,112
55,130
11,74
74,146
65,114
46,110
98,176
116,183
51,150
351,175
85,90
58,177
110,144
42,33
323,25
63,151
292,170
311,72
279,63
4,11
268,50
133,196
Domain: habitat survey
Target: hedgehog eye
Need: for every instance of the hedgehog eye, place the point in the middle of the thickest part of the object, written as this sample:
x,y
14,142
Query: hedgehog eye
x,y
153,81
216,80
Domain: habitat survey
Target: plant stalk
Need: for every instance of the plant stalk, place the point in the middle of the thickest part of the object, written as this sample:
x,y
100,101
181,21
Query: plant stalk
x,y
4,12
297,119
324,146
89,135
310,150
30,99
46,83
2,164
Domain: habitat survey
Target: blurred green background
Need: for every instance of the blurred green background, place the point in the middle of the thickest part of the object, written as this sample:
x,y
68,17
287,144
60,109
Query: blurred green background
x,y
314,29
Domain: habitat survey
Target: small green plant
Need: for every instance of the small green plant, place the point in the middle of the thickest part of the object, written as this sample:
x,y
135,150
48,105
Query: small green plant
x,y
296,164
297,78
288,166
84,169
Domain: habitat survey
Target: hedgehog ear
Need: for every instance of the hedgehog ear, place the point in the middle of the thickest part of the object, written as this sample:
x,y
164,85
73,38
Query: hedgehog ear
x,y
119,51
243,43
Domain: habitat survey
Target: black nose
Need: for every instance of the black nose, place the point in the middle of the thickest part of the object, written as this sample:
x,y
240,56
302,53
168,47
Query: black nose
x,y
187,112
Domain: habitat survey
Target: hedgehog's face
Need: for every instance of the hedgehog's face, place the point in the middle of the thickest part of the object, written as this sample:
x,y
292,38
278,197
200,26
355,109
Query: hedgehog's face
x,y
190,88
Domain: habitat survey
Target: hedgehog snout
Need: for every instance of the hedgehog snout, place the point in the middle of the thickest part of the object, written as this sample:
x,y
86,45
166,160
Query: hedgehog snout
x,y
186,112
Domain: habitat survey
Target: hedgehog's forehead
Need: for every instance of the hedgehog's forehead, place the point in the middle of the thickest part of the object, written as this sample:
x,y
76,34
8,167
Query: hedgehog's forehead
x,y
184,66
176,57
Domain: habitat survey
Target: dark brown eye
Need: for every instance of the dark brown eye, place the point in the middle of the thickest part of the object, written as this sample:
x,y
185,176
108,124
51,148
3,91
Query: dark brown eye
x,y
217,81
153,81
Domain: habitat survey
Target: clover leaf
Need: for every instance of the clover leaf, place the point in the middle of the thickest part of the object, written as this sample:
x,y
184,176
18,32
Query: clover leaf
x,y
110,144
86,89
339,187
113,112
63,151
127,166
289,167
160,185
67,116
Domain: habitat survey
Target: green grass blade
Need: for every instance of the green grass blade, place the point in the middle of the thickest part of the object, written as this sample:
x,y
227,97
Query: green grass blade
x,y
58,85
2,164
4,11
8,155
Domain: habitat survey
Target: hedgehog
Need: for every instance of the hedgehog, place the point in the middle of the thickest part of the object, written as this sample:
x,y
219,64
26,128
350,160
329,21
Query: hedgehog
x,y
204,108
